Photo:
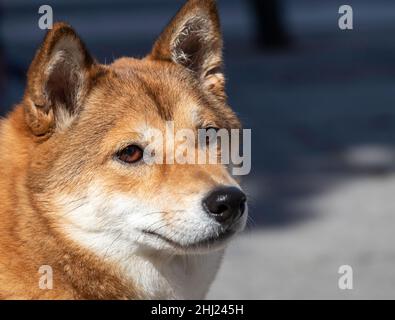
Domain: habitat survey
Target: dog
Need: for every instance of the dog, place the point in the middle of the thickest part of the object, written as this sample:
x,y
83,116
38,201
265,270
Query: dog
x,y
77,199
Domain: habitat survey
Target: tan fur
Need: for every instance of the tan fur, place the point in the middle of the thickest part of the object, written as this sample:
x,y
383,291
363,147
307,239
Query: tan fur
x,y
63,135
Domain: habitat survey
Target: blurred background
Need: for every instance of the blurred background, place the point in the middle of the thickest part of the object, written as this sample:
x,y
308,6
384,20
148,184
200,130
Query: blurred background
x,y
321,105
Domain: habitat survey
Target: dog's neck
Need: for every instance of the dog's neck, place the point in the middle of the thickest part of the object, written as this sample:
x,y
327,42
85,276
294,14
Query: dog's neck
x,y
28,241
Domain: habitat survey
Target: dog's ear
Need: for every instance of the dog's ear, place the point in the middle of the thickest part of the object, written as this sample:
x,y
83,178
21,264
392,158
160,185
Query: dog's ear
x,y
58,80
193,39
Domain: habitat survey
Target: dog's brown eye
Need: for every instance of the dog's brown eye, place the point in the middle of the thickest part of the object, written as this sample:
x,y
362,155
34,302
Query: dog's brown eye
x,y
131,154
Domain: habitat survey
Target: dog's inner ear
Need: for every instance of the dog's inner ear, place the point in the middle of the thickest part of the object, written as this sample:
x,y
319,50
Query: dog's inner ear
x,y
58,80
193,39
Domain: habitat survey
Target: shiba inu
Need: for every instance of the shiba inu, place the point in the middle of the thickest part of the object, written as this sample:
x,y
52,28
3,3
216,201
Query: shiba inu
x,y
75,193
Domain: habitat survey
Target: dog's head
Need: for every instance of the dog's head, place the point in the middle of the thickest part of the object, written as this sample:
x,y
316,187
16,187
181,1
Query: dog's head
x,y
91,123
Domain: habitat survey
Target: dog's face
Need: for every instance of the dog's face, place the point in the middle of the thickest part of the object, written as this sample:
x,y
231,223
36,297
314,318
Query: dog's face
x,y
91,124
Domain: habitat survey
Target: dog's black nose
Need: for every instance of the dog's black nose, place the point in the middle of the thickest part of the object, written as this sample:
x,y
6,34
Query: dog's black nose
x,y
225,204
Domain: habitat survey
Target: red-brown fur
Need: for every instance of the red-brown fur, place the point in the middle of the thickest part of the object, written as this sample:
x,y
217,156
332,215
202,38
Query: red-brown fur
x,y
43,155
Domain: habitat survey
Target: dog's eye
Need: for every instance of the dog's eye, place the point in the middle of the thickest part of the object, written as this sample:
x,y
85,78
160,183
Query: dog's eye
x,y
130,154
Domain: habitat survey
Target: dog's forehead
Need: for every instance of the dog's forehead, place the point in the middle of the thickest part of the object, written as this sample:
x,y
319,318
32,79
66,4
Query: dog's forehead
x,y
152,89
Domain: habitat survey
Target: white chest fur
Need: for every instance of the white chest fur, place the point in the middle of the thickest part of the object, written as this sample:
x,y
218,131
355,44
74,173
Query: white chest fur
x,y
174,277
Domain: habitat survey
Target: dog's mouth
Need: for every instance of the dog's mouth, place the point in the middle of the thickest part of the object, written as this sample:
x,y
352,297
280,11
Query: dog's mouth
x,y
209,243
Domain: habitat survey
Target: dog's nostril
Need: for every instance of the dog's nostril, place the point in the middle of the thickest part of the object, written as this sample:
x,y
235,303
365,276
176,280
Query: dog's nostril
x,y
221,209
243,206
225,204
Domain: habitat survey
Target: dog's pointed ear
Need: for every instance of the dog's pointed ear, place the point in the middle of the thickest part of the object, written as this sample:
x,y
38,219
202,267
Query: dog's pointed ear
x,y
58,80
193,39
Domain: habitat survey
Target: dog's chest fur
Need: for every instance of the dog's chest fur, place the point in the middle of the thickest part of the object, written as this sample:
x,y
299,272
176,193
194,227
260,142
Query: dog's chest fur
x,y
180,277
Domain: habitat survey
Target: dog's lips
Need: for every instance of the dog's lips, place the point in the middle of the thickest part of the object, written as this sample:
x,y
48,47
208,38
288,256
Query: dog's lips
x,y
213,241
216,241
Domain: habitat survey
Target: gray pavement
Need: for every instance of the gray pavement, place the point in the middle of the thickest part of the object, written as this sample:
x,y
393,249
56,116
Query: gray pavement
x,y
353,225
